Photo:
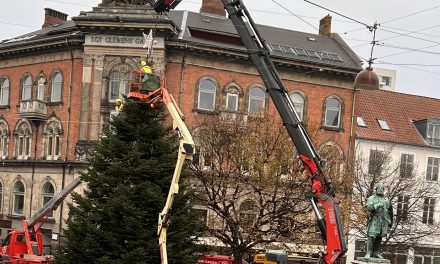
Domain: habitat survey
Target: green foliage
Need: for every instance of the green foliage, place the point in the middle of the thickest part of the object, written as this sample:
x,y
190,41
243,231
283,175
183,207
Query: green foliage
x,y
115,220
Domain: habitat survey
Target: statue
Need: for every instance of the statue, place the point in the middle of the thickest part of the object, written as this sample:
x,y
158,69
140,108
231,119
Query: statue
x,y
378,225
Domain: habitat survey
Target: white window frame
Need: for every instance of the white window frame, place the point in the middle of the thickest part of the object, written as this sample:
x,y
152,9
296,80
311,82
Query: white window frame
x,y
228,97
26,89
383,124
207,91
433,134
4,144
299,106
406,164
402,207
256,98
57,87
360,121
121,81
41,88
338,109
428,210
432,169
17,194
4,92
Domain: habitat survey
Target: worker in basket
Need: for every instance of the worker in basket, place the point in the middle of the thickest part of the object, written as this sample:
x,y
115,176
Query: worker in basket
x,y
150,81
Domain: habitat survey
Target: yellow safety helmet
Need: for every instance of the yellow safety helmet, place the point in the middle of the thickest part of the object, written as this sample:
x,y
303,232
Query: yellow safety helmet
x,y
143,63
119,105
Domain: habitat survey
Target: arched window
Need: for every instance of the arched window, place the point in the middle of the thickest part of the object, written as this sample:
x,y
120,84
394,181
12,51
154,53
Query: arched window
x,y
248,212
18,198
26,91
207,91
118,85
41,88
48,193
298,102
53,140
232,98
333,108
4,140
23,141
4,92
257,97
57,87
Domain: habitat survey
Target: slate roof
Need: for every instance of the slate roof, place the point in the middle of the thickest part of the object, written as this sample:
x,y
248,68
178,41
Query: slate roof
x,y
288,44
399,111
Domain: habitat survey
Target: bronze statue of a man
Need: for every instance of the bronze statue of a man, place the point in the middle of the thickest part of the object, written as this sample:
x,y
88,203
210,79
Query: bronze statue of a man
x,y
379,222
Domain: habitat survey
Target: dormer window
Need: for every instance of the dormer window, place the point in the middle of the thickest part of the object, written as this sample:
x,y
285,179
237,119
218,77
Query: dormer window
x,y
433,134
383,124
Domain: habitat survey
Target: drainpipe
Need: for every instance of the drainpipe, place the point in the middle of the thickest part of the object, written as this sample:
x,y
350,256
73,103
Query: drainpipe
x,y
350,142
32,190
69,103
182,75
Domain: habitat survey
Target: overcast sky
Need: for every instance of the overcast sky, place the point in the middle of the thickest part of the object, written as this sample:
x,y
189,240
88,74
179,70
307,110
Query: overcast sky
x,y
408,35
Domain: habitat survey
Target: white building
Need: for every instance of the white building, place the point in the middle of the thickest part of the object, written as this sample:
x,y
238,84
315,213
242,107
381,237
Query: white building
x,y
405,128
387,78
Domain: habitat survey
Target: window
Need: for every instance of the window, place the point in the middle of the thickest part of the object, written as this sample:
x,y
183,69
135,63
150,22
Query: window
x,y
257,97
333,113
23,141
41,88
298,103
48,193
231,102
375,162
207,90
53,140
406,165
57,85
247,212
26,92
118,85
432,169
433,135
18,198
361,122
402,207
4,92
428,211
4,140
385,80
383,124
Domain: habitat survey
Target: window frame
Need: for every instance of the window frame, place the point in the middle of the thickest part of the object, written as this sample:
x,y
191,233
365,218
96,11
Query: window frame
x,y
53,132
45,195
26,87
254,97
15,194
4,88
432,168
41,88
236,98
431,137
327,109
56,85
406,165
301,114
23,141
428,210
202,90
122,82
402,207
375,156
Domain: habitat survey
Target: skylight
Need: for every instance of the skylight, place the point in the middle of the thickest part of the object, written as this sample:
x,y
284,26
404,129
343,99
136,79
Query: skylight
x,y
361,122
383,124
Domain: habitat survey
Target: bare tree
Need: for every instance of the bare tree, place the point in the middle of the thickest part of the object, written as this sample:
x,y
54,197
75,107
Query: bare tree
x,y
250,181
407,189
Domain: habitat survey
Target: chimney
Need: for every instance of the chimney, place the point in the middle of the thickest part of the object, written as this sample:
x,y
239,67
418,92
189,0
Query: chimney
x,y
53,17
325,26
214,7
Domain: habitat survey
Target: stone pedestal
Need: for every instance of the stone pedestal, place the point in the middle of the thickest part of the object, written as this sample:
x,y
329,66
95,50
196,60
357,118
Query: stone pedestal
x,y
362,260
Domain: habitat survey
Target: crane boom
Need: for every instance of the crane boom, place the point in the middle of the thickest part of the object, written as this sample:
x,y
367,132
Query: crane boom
x,y
185,152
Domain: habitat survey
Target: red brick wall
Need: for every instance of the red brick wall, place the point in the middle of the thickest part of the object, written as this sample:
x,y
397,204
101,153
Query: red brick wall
x,y
11,114
315,98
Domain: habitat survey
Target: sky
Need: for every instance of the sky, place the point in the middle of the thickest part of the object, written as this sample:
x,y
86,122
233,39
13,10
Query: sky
x,y
407,35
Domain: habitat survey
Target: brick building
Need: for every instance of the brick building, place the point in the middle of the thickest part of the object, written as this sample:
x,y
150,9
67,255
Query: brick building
x,y
59,86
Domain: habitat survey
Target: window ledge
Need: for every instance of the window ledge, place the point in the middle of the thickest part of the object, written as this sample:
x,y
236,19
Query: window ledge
x,y
16,217
206,112
336,129
4,107
55,103
50,220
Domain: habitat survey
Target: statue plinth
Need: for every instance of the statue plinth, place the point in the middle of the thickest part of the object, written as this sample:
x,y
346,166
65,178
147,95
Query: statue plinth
x,y
362,260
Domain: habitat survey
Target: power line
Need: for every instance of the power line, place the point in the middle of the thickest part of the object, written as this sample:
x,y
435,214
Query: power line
x,y
295,15
408,64
21,25
67,3
408,31
415,13
399,53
